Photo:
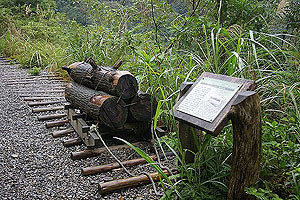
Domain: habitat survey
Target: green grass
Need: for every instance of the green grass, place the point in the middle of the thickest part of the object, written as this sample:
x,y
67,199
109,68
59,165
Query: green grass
x,y
189,46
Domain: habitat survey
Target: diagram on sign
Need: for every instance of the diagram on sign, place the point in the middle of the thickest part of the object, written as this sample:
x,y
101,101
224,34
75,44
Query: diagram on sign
x,y
208,98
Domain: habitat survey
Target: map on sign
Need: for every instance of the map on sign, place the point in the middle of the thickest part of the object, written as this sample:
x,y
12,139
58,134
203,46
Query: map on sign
x,y
208,98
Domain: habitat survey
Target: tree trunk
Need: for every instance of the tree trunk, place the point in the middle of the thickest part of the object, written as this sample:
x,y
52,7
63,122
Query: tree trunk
x,y
98,105
246,122
118,83
143,107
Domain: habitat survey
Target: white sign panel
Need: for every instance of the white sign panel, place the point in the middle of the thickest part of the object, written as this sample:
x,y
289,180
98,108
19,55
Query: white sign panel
x,y
208,98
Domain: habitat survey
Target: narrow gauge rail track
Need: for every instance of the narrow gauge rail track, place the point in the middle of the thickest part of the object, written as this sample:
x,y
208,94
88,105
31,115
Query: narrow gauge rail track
x,y
49,105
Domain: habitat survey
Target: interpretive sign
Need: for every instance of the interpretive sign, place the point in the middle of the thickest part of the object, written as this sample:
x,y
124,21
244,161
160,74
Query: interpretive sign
x,y
206,104
208,98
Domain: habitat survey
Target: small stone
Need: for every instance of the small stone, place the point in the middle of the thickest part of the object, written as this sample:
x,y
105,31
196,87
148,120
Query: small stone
x,y
94,182
14,155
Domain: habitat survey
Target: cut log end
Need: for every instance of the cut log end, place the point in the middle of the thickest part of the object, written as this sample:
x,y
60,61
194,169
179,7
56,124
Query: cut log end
x,y
127,86
143,107
114,113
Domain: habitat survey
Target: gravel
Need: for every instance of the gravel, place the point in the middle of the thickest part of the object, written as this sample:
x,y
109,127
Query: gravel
x,y
33,165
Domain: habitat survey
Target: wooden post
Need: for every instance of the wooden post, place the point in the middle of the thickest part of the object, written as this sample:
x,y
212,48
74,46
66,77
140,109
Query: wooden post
x,y
246,121
243,109
185,131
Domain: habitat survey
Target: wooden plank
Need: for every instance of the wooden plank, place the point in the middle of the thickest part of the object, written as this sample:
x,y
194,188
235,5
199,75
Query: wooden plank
x,y
56,123
37,98
53,116
62,133
44,103
42,95
41,91
46,109
25,79
29,77
33,82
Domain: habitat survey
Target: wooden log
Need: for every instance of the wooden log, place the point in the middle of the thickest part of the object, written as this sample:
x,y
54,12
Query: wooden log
x,y
72,142
104,168
118,83
129,163
44,103
143,107
98,105
89,153
111,186
53,116
246,121
56,123
46,109
62,133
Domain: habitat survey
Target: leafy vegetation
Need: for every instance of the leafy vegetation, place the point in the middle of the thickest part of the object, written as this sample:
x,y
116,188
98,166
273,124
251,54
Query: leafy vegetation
x,y
167,42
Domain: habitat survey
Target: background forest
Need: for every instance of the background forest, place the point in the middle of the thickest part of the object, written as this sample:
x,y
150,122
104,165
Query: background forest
x,y
164,43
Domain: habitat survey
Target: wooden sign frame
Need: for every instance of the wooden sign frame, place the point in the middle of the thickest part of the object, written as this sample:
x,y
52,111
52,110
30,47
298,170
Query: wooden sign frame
x,y
217,124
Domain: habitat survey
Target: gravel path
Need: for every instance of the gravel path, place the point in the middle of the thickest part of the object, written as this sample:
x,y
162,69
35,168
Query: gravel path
x,y
33,165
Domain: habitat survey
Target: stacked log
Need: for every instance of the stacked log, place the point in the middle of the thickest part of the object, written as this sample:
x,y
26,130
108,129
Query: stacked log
x,y
97,105
109,95
118,83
